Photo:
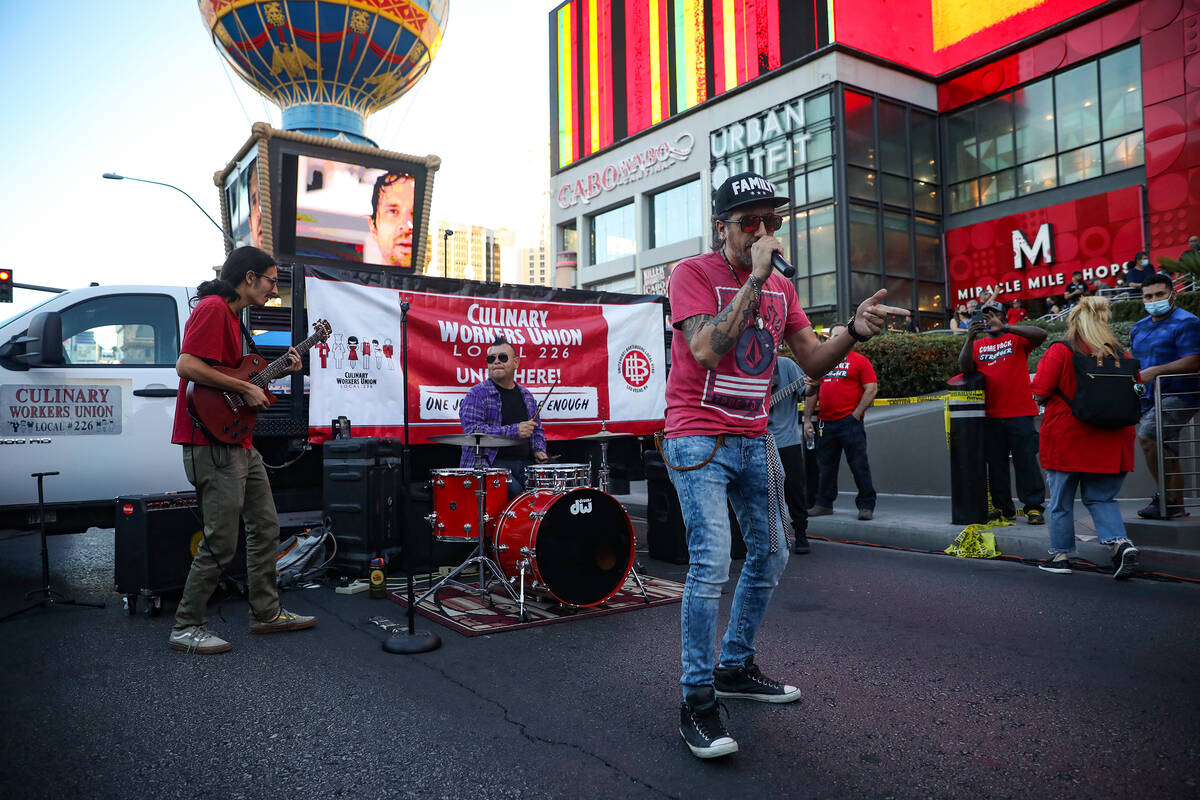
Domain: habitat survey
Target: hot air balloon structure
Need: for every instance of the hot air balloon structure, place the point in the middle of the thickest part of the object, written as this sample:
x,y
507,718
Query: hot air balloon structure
x,y
328,64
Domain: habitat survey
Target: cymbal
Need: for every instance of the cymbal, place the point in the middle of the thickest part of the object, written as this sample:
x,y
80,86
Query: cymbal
x,y
604,435
475,439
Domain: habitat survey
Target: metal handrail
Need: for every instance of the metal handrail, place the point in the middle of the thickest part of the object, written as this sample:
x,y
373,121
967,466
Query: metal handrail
x,y
1158,441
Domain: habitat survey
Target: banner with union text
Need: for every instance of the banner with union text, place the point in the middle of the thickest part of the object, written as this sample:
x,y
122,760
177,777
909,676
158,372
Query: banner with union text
x,y
586,362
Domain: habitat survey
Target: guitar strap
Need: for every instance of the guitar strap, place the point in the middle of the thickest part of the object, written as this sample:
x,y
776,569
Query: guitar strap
x,y
249,339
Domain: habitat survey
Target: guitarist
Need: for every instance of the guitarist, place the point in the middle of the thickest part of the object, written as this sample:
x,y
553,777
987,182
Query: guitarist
x,y
230,481
783,422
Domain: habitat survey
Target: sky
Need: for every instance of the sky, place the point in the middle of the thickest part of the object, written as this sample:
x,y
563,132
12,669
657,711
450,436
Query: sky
x,y
137,87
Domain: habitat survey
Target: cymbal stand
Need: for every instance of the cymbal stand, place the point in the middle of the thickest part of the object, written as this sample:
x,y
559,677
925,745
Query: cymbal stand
x,y
603,481
479,556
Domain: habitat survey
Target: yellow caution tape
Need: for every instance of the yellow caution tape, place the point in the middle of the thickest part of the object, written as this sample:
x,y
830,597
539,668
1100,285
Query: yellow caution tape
x,y
976,541
903,401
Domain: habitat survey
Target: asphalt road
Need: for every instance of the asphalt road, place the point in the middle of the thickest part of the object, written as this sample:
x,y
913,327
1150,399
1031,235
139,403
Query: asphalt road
x,y
924,676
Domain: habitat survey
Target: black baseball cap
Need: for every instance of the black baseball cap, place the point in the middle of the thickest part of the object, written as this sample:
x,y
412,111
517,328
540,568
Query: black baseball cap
x,y
743,189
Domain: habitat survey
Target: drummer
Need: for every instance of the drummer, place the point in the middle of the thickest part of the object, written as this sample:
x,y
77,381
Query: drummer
x,y
499,406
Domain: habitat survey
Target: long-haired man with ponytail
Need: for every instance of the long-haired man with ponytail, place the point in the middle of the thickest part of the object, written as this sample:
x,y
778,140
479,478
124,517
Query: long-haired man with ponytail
x,y
231,481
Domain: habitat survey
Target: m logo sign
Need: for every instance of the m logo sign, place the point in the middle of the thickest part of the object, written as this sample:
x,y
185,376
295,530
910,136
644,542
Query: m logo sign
x,y
582,506
1041,246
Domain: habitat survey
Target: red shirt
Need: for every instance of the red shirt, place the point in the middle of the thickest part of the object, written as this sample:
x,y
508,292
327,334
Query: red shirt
x,y
731,398
212,332
1015,315
842,387
1067,444
1004,363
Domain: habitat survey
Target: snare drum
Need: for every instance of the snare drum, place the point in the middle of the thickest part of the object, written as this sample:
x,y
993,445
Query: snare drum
x,y
455,508
558,477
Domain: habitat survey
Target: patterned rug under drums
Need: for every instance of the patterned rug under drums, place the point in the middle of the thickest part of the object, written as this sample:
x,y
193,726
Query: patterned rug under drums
x,y
472,615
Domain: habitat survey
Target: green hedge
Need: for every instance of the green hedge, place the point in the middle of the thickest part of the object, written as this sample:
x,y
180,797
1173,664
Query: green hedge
x,y
910,364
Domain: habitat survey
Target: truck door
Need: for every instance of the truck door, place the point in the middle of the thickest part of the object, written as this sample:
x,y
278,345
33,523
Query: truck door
x,y
103,418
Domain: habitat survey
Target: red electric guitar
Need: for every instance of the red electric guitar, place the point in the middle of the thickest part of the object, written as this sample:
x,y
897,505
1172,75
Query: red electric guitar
x,y
225,415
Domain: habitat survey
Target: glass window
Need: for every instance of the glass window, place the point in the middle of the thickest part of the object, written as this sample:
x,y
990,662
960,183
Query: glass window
x,y
863,285
613,234
821,244
824,290
627,285
895,190
929,250
800,262
1124,152
994,121
122,329
1077,107
819,145
960,146
995,188
925,197
820,184
676,215
862,183
929,296
860,130
963,196
896,258
924,146
1036,176
784,235
817,108
1033,108
864,239
1121,91
569,237
899,292
802,292
893,153
1079,165
799,191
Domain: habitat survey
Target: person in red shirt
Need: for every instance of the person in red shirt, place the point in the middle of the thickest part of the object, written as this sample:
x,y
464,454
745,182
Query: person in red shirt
x,y
846,393
731,311
230,481
1017,313
1002,357
1081,456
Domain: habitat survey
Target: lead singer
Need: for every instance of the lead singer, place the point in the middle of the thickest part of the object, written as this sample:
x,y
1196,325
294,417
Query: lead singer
x,y
733,311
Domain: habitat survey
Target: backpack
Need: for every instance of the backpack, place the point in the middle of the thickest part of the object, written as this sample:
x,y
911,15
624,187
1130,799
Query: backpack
x,y
1105,396
301,556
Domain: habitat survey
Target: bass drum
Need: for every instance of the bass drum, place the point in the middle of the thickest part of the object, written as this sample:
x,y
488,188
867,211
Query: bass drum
x,y
579,544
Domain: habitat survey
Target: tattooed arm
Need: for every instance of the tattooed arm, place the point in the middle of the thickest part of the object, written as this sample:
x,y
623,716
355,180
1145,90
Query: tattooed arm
x,y
711,337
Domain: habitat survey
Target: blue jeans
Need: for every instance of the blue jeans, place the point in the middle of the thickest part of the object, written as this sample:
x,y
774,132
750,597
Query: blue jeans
x,y
846,434
1099,491
737,471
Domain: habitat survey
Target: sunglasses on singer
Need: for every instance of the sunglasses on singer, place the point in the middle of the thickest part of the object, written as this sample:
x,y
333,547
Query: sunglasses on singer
x,y
750,223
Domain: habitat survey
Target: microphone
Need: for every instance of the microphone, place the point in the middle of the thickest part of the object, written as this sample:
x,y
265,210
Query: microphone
x,y
783,266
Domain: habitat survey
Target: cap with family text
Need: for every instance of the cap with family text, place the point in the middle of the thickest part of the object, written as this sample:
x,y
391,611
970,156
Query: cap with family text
x,y
743,189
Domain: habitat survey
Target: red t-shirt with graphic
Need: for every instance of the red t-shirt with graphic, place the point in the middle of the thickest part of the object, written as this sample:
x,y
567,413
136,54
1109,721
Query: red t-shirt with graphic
x,y
212,333
731,398
1015,315
1003,362
842,387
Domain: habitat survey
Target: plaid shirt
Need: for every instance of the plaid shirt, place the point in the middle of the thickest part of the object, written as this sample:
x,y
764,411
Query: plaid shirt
x,y
480,413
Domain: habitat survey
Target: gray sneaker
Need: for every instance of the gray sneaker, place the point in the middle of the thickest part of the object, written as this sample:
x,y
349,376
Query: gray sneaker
x,y
284,621
197,639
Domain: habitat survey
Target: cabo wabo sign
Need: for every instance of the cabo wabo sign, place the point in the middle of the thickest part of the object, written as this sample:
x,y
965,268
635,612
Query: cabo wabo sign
x,y
653,159
604,362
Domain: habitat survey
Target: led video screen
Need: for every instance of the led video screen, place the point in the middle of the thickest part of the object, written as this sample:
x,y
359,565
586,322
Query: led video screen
x,y
243,209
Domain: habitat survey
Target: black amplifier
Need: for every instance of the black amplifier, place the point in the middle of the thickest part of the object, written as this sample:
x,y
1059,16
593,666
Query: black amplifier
x,y
156,536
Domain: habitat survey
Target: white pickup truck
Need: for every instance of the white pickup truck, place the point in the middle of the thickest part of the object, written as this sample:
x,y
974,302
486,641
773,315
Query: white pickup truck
x,y
87,389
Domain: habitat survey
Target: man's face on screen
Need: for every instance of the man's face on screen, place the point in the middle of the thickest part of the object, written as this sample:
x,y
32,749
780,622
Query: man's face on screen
x,y
393,223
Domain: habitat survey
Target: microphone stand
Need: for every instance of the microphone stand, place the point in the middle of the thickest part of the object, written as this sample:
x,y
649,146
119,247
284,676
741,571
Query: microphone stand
x,y
412,640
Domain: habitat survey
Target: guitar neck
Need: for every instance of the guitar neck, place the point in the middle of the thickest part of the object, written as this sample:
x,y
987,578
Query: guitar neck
x,y
785,391
280,365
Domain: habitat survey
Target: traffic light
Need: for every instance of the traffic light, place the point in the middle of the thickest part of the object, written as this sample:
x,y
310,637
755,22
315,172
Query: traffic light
x,y
6,285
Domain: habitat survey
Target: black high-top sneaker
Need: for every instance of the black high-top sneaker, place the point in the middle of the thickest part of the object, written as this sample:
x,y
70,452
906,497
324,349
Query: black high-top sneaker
x,y
748,683
701,726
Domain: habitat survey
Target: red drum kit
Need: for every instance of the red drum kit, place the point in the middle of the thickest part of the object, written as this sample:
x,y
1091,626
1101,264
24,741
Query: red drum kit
x,y
561,538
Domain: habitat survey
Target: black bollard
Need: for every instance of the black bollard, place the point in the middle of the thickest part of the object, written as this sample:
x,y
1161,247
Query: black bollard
x,y
968,470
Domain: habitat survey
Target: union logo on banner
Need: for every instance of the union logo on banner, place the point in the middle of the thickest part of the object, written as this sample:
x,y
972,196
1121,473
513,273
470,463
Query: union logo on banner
x,y
636,367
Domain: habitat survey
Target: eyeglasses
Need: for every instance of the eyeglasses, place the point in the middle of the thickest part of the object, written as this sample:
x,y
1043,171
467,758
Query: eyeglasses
x,y
274,281
750,223
494,357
